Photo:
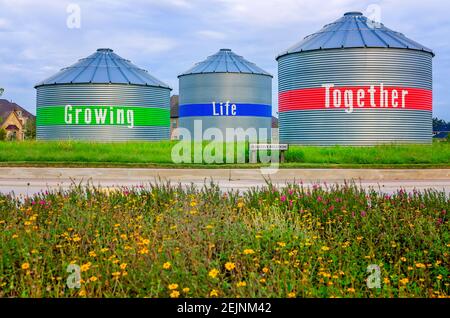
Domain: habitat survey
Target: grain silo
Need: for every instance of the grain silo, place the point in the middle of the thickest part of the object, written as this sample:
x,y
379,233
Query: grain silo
x,y
103,98
225,91
355,82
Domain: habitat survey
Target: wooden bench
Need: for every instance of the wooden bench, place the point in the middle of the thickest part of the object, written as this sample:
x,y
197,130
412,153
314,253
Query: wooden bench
x,y
254,148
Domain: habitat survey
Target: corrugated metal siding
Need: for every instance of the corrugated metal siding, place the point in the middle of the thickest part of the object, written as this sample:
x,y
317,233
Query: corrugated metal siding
x,y
103,95
365,127
102,133
222,87
355,67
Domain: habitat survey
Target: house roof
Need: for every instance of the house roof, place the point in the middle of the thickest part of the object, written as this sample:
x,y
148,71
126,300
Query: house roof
x,y
441,135
6,107
12,127
174,106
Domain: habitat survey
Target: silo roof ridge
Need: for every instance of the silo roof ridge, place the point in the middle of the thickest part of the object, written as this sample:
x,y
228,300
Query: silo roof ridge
x,y
103,67
354,30
225,61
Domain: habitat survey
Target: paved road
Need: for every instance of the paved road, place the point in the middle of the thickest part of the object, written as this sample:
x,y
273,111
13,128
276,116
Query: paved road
x,y
27,181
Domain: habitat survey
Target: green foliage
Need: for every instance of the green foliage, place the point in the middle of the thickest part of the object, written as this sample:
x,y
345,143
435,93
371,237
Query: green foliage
x,y
159,153
30,129
2,134
149,241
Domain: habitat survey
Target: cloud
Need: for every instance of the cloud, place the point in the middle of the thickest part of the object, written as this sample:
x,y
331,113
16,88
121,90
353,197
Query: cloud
x,y
214,35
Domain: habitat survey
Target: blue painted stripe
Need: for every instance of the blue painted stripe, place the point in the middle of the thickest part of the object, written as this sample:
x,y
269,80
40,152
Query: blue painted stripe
x,y
196,110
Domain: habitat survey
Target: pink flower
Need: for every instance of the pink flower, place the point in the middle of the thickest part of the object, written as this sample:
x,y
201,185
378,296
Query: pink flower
x,y
283,198
319,199
363,214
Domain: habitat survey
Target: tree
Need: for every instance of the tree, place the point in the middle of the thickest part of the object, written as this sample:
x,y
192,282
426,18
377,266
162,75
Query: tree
x,y
30,129
2,134
440,125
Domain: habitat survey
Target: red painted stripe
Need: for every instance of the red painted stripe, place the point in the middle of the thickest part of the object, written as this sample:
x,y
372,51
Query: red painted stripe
x,y
314,98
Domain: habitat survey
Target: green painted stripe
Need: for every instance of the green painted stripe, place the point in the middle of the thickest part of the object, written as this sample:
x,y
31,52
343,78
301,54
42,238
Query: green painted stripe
x,y
103,115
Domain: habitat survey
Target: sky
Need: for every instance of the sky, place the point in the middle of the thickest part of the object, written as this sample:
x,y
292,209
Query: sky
x,y
167,37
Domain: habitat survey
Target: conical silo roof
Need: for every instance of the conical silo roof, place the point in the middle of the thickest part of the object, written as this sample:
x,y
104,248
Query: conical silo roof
x,y
354,30
103,67
225,61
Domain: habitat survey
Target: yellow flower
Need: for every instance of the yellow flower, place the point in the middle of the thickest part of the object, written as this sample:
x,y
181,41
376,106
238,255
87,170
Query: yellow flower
x,y
25,266
404,281
92,254
173,286
167,265
15,236
85,267
123,236
240,205
213,273
241,284
93,279
351,290
325,248
249,251
124,273
82,293
230,266
123,266
175,294
214,293
420,265
186,290
76,238
410,268
193,203
144,251
386,281
262,280
439,277
292,295
281,244
359,238
403,259
265,270
116,275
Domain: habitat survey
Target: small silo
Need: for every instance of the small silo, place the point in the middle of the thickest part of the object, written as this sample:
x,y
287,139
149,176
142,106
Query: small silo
x,y
225,91
103,98
355,82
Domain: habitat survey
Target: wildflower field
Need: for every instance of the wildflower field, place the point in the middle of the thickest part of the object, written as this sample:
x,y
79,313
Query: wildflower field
x,y
169,241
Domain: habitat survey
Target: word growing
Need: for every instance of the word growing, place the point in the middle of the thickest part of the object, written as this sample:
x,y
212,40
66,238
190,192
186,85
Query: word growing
x,y
224,109
98,115
362,97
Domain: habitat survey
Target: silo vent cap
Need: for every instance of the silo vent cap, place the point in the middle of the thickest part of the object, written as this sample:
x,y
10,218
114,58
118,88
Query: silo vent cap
x,y
104,50
353,13
225,50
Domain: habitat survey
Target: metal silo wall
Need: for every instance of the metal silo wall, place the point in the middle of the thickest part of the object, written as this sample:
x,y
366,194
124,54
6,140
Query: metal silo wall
x,y
239,88
354,67
116,95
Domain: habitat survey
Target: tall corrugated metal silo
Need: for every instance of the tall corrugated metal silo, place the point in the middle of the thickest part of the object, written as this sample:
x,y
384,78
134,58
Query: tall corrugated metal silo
x,y
355,82
103,98
225,91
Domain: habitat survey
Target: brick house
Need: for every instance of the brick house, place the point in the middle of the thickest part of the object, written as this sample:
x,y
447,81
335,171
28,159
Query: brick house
x,y
13,119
